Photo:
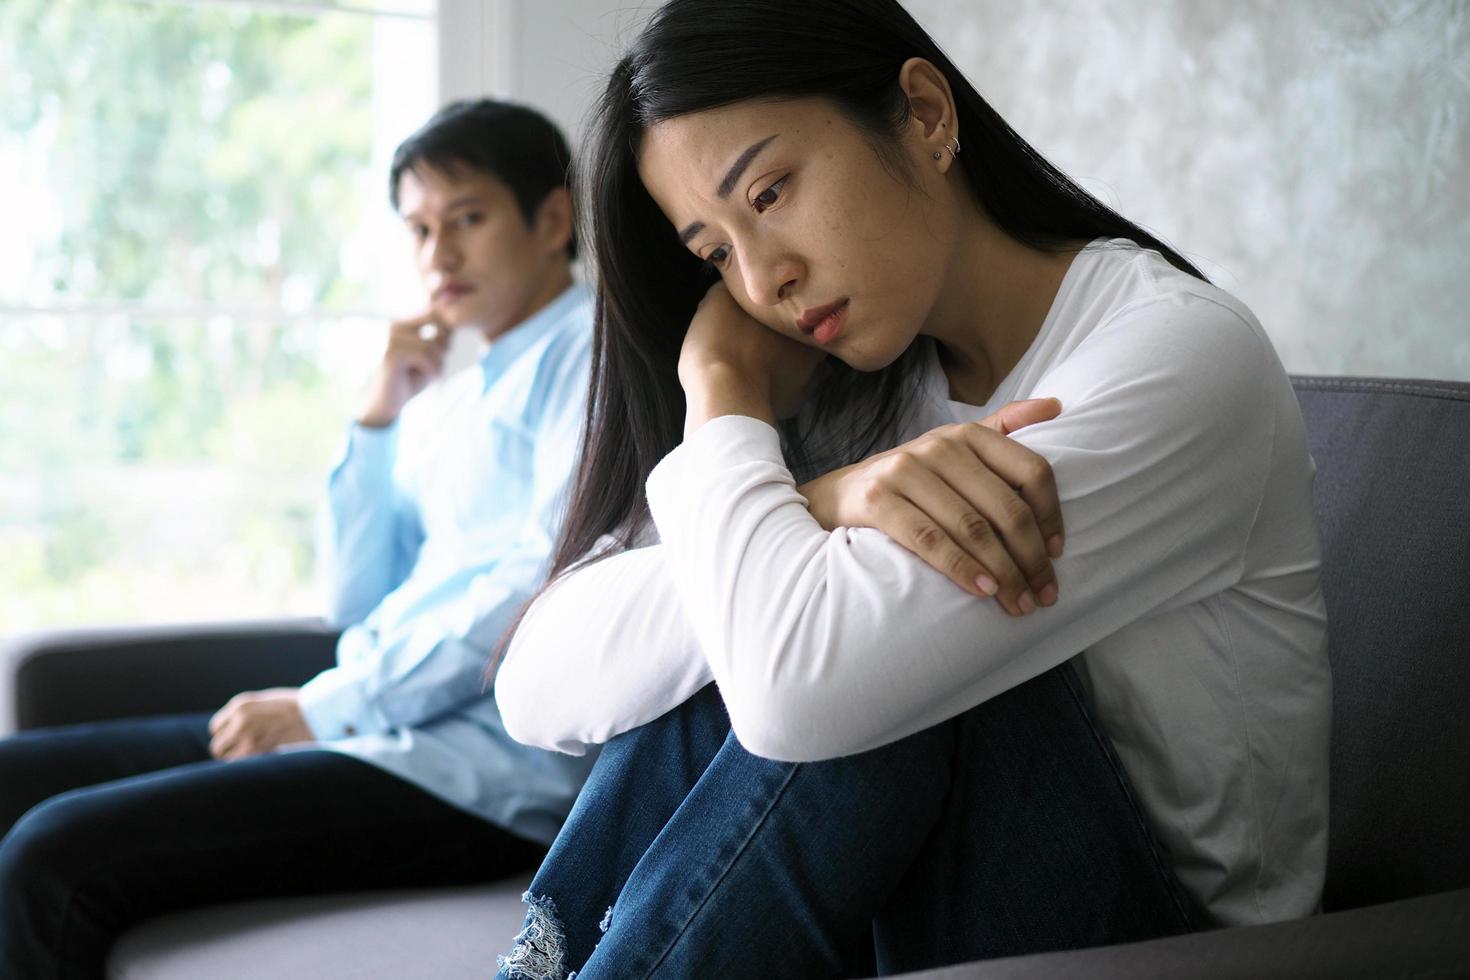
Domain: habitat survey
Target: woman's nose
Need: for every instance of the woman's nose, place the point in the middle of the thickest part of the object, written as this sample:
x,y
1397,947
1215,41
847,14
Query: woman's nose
x,y
769,280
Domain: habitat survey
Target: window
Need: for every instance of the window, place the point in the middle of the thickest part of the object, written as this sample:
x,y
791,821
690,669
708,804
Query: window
x,y
196,267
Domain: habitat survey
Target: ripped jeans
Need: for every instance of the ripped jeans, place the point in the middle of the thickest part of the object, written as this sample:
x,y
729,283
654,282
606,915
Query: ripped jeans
x,y
1008,829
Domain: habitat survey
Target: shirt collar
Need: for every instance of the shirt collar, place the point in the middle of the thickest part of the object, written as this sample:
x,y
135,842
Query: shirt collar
x,y
510,345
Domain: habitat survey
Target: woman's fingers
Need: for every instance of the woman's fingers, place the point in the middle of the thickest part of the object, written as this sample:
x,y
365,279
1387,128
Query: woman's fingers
x,y
912,527
944,529
1029,473
951,523
1011,518
998,504
1017,415
985,513
967,500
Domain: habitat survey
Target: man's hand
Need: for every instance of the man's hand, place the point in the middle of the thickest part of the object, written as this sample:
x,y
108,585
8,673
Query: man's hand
x,y
256,722
415,356
977,506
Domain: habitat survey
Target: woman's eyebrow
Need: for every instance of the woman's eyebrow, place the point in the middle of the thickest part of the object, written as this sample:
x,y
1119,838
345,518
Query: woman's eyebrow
x,y
728,184
741,162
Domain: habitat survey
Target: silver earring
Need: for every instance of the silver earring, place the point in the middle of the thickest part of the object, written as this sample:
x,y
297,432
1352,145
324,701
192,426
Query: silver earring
x,y
954,151
937,155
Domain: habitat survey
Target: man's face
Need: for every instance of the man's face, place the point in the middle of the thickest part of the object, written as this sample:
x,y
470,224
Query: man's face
x,y
479,260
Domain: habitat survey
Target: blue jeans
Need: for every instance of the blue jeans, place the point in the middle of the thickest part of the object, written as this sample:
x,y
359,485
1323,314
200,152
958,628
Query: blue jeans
x,y
1008,829
108,824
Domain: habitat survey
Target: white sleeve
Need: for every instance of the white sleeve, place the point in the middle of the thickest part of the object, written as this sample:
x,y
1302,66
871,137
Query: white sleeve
x,y
605,649
830,643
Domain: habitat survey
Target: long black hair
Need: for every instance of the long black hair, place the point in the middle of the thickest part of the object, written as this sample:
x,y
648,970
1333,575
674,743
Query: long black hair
x,y
701,54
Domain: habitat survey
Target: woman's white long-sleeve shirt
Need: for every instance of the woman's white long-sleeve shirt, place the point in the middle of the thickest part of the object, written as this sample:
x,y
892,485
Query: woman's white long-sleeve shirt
x,y
1190,585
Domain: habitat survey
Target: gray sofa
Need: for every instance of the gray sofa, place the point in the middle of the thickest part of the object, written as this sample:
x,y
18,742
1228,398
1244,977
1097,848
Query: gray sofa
x,y
1393,504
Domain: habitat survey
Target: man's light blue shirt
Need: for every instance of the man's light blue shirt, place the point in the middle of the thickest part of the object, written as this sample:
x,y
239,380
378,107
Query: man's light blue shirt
x,y
440,527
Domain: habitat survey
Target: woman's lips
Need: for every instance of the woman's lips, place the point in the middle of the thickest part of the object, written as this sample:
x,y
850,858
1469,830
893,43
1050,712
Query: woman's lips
x,y
824,323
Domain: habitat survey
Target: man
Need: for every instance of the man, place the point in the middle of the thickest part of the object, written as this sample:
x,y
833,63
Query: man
x,y
392,768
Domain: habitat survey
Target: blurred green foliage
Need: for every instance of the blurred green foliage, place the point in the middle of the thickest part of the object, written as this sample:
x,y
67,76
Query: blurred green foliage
x,y
207,153
195,156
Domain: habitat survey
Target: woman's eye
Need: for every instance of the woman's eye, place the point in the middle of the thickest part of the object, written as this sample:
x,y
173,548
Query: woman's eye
x,y
768,197
420,232
471,219
717,258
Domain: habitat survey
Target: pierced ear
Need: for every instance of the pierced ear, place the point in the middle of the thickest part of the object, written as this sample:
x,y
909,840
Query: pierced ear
x,y
554,218
931,106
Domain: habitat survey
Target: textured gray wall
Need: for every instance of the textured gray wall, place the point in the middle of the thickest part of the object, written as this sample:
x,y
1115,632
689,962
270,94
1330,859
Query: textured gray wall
x,y
1313,156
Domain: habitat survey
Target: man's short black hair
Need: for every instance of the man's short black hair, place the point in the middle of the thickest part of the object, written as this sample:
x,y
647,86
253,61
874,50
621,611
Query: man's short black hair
x,y
513,143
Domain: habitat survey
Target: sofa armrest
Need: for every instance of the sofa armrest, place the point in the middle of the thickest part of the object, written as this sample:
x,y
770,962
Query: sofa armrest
x,y
1416,937
71,676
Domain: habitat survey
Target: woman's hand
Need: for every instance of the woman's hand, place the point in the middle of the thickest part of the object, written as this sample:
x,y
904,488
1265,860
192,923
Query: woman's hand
x,y
977,506
731,364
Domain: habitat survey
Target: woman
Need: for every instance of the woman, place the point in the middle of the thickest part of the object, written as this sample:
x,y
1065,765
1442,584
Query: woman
x,y
808,206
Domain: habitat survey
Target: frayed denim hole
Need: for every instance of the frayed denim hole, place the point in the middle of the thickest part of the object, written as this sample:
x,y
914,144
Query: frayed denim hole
x,y
540,951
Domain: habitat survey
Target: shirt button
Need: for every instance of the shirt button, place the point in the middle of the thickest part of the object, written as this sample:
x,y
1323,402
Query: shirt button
x,y
350,729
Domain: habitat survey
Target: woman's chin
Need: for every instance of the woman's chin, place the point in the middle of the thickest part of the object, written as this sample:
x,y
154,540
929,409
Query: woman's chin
x,y
860,357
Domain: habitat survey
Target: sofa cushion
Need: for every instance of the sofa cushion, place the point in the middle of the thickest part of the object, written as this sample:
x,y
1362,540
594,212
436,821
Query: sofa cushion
x,y
1393,506
1426,937
436,934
